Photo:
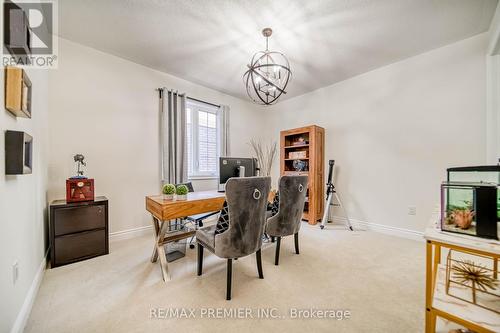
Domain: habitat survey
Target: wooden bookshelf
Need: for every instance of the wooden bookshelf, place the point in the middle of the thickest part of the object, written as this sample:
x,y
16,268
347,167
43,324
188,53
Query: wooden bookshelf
x,y
313,147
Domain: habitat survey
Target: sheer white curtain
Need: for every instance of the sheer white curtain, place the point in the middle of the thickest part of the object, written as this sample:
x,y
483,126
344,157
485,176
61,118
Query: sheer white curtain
x,y
173,136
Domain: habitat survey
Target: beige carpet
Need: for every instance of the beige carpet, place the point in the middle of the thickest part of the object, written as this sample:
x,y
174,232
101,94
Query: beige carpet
x,y
379,279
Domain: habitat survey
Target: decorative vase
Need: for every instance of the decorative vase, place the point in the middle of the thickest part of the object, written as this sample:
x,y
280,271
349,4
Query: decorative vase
x,y
181,197
168,197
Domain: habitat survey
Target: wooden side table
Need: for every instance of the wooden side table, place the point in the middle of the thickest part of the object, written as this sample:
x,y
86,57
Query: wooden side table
x,y
437,302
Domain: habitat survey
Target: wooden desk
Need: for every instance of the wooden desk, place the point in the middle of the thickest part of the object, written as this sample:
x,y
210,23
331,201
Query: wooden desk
x,y
164,210
437,302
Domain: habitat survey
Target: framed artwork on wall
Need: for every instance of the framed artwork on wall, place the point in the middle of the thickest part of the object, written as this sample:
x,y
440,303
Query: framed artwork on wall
x,y
17,92
18,153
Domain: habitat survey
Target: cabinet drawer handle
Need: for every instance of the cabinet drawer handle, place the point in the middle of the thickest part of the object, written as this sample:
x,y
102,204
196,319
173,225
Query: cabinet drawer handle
x,y
79,233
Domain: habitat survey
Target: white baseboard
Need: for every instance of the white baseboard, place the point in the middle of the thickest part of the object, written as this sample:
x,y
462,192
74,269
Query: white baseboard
x,y
357,224
385,229
24,313
131,233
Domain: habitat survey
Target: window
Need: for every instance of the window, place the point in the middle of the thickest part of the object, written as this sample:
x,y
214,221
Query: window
x,y
202,139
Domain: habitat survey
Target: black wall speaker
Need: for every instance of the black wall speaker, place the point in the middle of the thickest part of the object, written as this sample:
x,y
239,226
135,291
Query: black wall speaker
x,y
18,153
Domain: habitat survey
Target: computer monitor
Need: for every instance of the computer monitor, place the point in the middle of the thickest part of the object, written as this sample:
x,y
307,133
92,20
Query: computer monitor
x,y
235,167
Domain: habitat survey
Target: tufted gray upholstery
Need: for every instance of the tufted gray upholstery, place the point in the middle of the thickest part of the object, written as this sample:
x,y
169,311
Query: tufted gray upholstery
x,y
286,222
206,237
247,201
291,206
246,219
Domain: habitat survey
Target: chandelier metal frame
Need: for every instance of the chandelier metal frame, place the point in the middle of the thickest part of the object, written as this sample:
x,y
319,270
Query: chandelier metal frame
x,y
266,79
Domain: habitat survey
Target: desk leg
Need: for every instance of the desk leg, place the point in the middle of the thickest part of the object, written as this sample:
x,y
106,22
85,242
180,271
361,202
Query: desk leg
x,y
160,251
163,263
156,225
428,288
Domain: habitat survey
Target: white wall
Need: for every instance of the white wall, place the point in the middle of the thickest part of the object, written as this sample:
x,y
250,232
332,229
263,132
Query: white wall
x,y
106,108
23,203
393,131
493,90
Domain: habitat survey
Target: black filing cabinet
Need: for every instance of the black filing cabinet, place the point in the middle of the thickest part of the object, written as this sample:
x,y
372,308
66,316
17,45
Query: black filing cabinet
x,y
78,230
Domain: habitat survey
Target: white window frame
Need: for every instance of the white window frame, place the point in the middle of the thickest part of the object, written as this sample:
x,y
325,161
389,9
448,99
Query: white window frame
x,y
194,107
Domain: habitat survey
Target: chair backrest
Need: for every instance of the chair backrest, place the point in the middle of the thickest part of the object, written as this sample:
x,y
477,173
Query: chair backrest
x,y
247,201
189,185
292,192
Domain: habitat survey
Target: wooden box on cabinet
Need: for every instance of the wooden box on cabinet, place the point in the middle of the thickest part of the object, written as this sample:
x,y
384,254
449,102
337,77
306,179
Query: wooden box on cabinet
x,y
79,189
306,144
17,92
78,231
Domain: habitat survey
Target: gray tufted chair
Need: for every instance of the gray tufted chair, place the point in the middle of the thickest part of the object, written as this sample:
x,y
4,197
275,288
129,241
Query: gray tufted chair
x,y
246,200
292,196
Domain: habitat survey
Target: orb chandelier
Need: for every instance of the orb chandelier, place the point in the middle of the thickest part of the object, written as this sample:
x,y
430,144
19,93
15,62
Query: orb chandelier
x,y
268,74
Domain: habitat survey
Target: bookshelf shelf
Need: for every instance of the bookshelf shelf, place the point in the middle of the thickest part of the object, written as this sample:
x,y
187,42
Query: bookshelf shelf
x,y
297,146
314,136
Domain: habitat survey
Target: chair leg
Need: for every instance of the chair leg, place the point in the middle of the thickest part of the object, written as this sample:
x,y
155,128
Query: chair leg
x,y
277,256
259,264
296,236
200,259
229,277
272,239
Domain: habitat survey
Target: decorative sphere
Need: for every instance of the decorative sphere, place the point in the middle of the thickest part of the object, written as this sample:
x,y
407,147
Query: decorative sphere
x,y
267,77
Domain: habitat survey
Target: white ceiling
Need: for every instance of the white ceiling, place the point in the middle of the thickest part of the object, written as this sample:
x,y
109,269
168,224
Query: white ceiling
x,y
211,41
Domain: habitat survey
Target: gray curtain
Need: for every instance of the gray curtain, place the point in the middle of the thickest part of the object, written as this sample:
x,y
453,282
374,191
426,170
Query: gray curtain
x,y
223,119
173,136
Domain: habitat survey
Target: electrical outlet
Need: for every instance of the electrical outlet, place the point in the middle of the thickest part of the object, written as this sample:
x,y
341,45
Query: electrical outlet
x,y
412,210
15,272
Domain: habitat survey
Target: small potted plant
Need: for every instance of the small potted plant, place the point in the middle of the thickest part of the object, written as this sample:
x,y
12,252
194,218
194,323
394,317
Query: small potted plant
x,y
168,191
181,192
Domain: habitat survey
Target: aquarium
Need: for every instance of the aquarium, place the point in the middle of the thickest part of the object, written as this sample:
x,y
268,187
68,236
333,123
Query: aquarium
x,y
476,174
470,208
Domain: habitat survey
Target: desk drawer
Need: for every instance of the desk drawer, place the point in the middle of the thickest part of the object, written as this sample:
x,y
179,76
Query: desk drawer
x,y
76,219
74,247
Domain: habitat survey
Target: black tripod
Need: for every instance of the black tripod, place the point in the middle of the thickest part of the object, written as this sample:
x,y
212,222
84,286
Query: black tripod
x,y
331,192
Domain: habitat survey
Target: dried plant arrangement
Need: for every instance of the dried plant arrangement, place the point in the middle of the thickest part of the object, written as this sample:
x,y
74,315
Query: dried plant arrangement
x,y
472,282
265,155
473,275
